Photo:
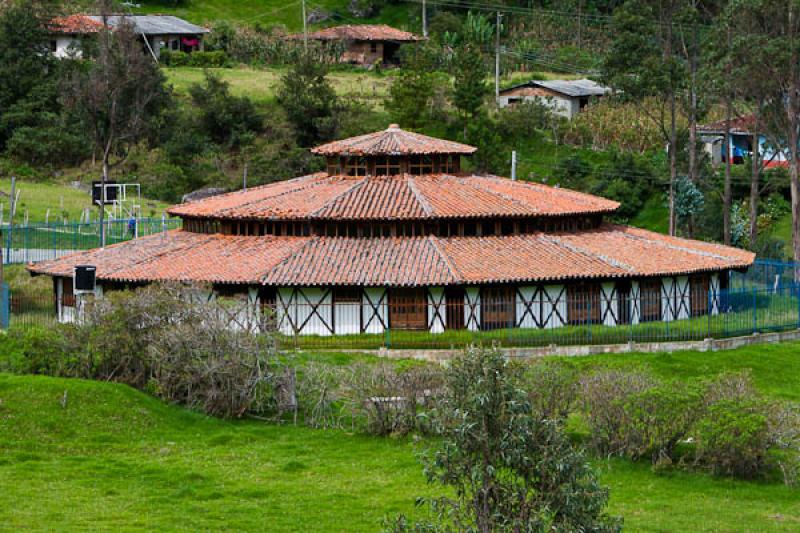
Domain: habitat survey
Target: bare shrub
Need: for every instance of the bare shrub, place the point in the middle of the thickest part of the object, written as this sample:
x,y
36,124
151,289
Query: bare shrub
x,y
387,401
552,387
319,394
214,356
604,394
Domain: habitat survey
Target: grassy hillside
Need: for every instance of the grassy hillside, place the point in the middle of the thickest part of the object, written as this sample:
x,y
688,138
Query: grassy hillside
x,y
261,84
87,455
38,197
268,12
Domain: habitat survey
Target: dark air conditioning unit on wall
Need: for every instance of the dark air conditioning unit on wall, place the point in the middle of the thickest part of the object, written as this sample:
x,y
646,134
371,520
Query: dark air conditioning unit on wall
x,y
84,278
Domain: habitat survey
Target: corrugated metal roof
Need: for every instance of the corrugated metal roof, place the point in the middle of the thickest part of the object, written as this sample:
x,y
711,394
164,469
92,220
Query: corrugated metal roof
x,y
156,24
573,88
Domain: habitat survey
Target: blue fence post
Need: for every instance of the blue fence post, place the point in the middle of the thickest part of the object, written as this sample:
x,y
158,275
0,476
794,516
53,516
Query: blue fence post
x,y
5,307
755,311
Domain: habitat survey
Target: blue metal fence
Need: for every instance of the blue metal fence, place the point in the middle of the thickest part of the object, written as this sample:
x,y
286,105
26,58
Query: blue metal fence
x,y
765,273
40,242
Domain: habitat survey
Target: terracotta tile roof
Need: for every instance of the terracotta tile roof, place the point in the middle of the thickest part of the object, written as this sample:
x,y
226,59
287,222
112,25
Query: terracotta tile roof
x,y
392,141
404,197
75,25
360,32
741,125
610,251
181,256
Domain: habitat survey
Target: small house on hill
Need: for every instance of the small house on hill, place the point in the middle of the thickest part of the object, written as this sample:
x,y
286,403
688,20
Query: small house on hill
x,y
713,138
565,97
159,31
365,44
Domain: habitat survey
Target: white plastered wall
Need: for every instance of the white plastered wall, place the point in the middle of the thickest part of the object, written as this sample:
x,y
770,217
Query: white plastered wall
x,y
472,308
437,311
374,310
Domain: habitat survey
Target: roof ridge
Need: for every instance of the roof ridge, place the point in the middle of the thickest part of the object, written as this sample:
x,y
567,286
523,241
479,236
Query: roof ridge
x,y
434,240
426,206
672,246
164,251
358,184
306,183
311,241
577,249
508,197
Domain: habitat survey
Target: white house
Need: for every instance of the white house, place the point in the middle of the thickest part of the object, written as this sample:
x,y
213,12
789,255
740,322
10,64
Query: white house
x,y
159,31
565,97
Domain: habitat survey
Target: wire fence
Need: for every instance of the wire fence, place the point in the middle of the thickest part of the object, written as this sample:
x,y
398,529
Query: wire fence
x,y
517,322
41,242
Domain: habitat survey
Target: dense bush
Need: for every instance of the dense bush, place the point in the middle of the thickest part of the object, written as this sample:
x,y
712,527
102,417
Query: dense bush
x,y
212,59
552,388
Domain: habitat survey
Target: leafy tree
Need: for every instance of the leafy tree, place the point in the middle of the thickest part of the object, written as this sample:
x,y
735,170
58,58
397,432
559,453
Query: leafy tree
x,y
642,63
412,94
689,201
507,467
310,102
119,97
469,87
25,60
230,121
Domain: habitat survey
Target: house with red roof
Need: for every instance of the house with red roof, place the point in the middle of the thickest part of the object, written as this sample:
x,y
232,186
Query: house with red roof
x,y
158,32
742,129
364,44
395,234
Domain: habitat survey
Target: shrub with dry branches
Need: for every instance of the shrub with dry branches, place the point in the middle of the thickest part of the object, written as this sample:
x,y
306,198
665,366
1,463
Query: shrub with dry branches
x,y
214,356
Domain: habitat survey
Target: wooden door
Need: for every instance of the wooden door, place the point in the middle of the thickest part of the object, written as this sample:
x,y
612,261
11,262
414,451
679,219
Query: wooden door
x,y
408,309
454,301
583,303
497,307
699,288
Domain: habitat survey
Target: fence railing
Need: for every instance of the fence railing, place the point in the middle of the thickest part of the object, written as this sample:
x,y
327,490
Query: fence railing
x,y
41,242
513,322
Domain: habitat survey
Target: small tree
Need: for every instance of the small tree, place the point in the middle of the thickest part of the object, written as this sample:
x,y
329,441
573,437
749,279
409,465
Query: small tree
x,y
230,121
509,468
469,87
118,98
25,60
310,102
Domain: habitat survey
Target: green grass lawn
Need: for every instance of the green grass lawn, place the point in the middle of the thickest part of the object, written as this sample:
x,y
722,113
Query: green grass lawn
x,y
37,197
86,455
269,12
261,84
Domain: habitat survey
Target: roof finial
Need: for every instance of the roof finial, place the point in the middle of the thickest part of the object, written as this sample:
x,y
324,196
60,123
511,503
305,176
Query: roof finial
x,y
393,127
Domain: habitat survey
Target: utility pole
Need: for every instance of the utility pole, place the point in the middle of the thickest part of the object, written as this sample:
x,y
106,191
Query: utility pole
x,y
424,19
305,26
497,58
513,164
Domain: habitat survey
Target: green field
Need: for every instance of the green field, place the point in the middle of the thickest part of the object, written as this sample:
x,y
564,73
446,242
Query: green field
x,y
261,84
270,12
87,455
37,198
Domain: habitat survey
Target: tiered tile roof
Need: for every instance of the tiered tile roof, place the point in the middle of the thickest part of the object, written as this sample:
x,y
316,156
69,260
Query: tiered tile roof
x,y
392,141
403,197
610,251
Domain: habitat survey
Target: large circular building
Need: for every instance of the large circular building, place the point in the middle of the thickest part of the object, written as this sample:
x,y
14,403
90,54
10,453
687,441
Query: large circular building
x,y
395,235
